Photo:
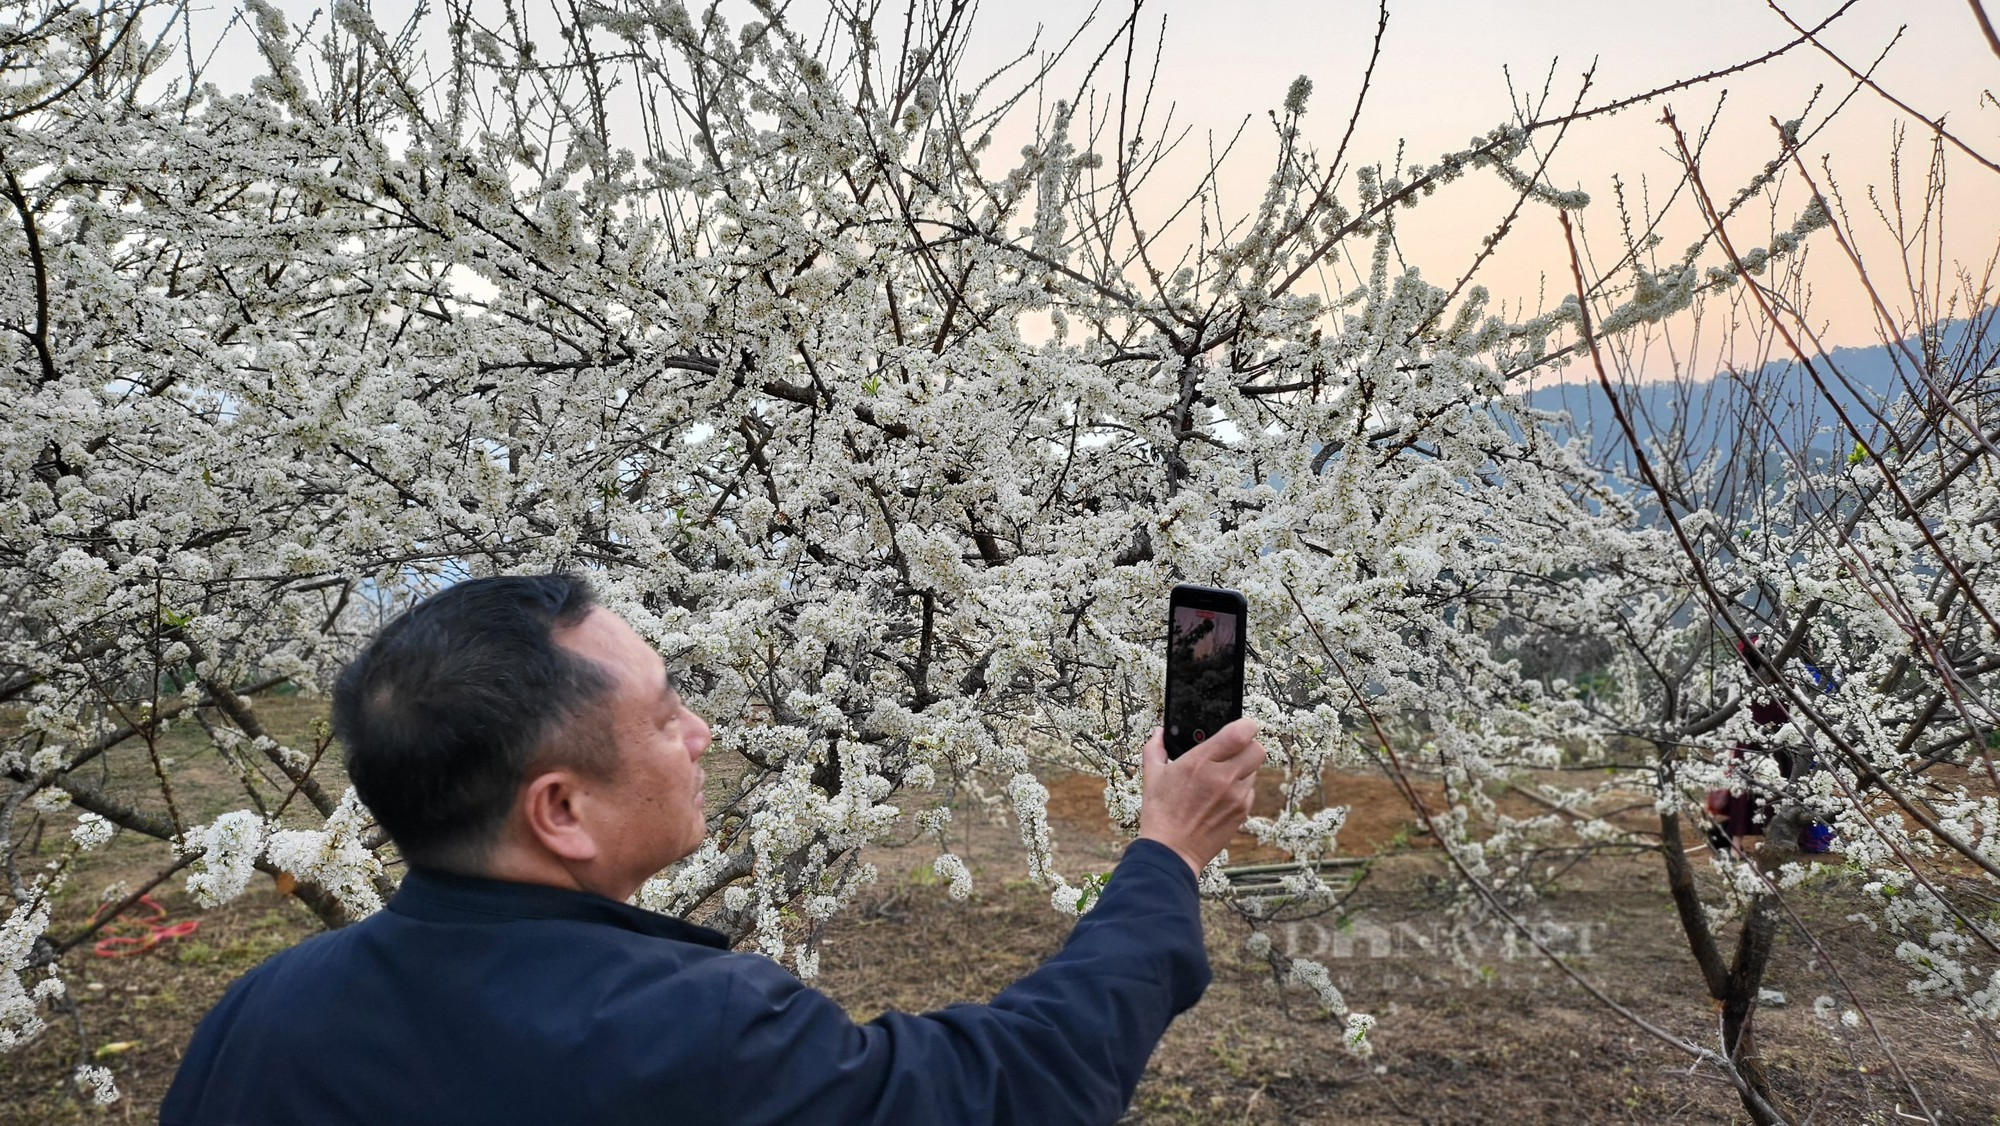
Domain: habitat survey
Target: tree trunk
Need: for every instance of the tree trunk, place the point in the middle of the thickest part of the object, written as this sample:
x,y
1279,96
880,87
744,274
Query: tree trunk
x,y
1735,985
1739,1007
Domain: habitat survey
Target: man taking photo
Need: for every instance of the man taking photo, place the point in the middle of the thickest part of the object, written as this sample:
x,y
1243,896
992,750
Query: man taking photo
x,y
530,757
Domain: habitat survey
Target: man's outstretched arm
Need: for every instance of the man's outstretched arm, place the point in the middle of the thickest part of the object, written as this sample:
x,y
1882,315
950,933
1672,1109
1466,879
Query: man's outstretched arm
x,y
1066,1043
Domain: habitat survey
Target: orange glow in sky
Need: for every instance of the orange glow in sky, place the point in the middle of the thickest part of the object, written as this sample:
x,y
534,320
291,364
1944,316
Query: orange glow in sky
x,y
1443,78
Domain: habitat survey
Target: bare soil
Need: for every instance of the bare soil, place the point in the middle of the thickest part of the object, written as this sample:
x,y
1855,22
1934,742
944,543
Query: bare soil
x,y
1472,1028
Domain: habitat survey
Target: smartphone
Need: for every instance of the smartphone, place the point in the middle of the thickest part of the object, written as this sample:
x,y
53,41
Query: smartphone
x,y
1206,631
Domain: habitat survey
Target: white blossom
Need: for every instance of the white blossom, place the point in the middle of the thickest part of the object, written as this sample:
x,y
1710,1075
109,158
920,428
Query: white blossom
x,y
99,1082
231,846
952,869
335,858
1313,976
91,831
1359,1025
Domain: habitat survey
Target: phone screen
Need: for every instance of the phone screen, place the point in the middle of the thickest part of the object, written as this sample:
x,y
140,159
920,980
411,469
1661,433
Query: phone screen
x,y
1204,673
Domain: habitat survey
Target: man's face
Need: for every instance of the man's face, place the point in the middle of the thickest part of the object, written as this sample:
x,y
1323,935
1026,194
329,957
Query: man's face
x,y
648,814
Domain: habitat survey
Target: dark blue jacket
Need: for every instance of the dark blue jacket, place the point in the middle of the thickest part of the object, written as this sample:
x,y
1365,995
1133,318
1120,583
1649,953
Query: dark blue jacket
x,y
480,1001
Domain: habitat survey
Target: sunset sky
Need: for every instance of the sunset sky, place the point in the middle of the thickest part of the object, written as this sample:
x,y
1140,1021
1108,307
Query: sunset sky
x,y
1440,82
1442,79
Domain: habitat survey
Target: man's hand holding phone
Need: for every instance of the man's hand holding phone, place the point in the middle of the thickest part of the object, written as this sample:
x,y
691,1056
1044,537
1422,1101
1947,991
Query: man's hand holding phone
x,y
1195,803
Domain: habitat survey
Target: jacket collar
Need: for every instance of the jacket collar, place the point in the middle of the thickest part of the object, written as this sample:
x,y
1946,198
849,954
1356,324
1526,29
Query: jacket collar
x,y
439,897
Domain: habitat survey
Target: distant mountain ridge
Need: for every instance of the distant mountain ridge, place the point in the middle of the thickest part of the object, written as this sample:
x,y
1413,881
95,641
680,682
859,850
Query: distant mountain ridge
x,y
1708,412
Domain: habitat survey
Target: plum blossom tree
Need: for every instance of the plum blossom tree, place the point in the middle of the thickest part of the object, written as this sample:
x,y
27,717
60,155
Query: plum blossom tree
x,y
892,444
1818,648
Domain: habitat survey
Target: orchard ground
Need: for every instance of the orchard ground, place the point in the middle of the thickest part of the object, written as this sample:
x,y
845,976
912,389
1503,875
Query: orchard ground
x,y
1473,1027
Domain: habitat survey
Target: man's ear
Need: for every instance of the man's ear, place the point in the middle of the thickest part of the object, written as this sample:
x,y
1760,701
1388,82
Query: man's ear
x,y
552,809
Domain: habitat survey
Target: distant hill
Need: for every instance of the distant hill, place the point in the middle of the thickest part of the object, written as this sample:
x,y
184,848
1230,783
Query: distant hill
x,y
1864,382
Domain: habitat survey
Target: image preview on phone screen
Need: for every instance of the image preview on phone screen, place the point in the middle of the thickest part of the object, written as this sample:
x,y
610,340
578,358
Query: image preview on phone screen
x,y
1202,664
